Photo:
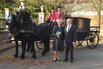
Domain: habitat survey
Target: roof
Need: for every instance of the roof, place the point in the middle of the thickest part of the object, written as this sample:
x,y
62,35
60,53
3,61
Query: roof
x,y
66,17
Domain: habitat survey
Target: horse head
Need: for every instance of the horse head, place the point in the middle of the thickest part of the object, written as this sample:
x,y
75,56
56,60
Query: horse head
x,y
12,24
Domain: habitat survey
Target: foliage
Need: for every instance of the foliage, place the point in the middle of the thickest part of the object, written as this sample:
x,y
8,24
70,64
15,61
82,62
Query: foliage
x,y
97,4
33,6
5,3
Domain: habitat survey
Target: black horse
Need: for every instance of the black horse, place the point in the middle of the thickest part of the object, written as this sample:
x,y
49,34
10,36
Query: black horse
x,y
21,35
27,32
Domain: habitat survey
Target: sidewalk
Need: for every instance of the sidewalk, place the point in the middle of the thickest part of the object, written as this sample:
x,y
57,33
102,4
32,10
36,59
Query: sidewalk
x,y
5,46
84,58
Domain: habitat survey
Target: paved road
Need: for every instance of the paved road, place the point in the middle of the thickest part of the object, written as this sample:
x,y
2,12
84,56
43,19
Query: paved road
x,y
84,59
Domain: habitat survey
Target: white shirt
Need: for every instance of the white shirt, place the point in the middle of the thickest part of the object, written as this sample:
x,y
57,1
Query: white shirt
x,y
68,27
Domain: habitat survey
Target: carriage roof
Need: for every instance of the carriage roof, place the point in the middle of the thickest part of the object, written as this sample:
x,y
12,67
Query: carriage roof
x,y
66,17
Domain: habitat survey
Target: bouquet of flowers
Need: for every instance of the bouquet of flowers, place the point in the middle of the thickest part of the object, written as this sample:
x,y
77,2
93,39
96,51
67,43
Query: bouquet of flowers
x,y
58,34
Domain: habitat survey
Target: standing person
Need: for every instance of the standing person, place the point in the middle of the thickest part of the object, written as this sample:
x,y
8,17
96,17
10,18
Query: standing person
x,y
58,33
59,14
70,37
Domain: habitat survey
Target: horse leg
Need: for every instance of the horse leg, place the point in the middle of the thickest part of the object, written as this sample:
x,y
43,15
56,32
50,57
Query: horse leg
x,y
46,46
22,56
16,49
33,50
28,47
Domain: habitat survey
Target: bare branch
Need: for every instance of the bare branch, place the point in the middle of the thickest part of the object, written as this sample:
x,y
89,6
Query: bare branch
x,y
94,5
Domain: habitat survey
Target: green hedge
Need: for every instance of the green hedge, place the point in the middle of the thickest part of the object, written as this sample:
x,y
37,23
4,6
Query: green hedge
x,y
2,24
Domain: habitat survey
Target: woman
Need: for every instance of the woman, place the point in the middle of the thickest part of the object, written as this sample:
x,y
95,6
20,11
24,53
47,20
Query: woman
x,y
58,33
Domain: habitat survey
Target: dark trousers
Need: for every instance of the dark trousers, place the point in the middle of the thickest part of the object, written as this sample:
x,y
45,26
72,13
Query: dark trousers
x,y
69,51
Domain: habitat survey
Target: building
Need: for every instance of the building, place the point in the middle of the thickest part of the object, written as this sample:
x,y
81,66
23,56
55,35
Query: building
x,y
85,8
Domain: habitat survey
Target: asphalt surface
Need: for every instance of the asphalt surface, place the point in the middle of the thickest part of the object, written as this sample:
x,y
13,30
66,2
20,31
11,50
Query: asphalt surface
x,y
84,58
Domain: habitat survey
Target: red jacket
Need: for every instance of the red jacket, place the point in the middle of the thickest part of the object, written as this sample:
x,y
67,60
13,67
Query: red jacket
x,y
52,16
59,15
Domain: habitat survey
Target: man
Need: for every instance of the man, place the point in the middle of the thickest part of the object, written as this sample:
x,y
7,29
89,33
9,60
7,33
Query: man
x,y
70,37
23,17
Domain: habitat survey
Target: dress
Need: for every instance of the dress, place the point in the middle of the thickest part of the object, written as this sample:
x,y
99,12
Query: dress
x,y
58,44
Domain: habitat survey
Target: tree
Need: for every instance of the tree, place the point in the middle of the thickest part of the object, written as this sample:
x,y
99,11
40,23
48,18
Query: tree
x,y
97,6
6,3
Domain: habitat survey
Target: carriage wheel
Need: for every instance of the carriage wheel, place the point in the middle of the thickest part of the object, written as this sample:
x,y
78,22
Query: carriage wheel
x,y
40,45
92,40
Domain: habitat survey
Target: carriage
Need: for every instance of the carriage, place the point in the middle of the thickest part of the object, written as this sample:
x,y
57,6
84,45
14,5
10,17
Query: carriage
x,y
86,35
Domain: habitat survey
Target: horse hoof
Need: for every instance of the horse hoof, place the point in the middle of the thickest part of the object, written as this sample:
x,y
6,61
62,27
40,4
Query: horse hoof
x,y
27,50
22,57
44,53
47,51
34,57
31,51
15,55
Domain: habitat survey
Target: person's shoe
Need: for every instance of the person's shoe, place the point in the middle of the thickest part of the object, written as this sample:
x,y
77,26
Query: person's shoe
x,y
65,60
58,59
54,60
